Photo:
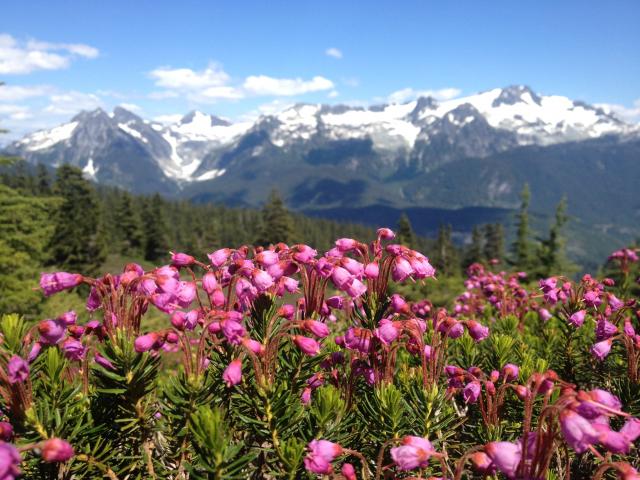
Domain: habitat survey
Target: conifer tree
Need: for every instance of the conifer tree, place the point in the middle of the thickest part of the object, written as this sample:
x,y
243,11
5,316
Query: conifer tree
x,y
128,226
43,180
76,243
522,248
552,255
155,229
475,251
404,234
277,224
446,256
494,241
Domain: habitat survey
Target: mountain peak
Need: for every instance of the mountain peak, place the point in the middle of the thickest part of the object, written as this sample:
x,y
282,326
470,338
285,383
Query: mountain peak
x,y
122,115
515,94
89,115
204,118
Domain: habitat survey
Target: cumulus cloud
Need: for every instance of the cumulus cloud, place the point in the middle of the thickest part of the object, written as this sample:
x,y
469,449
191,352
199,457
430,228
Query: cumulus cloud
x,y
16,93
70,103
408,94
333,52
213,83
333,94
18,57
15,112
132,107
169,118
628,114
285,87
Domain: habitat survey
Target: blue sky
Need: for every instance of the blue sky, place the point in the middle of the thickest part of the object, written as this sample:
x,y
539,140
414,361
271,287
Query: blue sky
x,y
238,59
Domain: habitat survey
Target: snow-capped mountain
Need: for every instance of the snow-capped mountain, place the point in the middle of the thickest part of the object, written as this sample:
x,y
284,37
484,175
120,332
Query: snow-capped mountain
x,y
123,149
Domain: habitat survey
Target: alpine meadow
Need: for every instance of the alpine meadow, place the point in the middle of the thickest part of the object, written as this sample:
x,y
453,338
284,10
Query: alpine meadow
x,y
337,241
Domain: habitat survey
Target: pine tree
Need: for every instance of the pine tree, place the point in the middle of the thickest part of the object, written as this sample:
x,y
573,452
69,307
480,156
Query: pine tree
x,y
43,180
446,258
405,235
522,248
156,244
552,255
26,226
76,243
128,225
277,225
494,242
475,251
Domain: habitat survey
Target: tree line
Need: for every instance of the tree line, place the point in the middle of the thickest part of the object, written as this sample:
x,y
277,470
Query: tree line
x,y
64,221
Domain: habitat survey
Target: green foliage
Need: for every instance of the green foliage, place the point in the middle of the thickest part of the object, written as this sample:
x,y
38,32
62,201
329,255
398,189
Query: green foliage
x,y
276,222
522,248
76,244
404,233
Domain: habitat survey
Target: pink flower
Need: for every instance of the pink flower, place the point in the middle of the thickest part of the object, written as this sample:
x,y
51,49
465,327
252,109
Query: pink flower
x,y
321,454
146,342
477,331
209,282
319,329
341,277
398,304
6,432
577,319
182,260
544,314
482,463
56,450
348,472
303,253
471,392
57,282
68,318
601,349
17,369
401,269
386,332
103,362
9,462
219,257
308,345
578,432
386,234
356,288
357,338
413,453
51,331
266,258
346,244
233,373
290,284
186,294
261,280
354,267
510,372
372,270
614,302
305,398
505,456
253,345
73,349
233,331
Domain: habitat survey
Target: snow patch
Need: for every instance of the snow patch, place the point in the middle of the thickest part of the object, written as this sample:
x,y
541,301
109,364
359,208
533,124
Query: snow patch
x,y
130,131
48,138
90,170
211,174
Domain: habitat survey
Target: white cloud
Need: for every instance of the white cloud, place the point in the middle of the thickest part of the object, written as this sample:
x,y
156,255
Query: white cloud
x,y
132,107
333,94
628,114
407,94
333,52
15,93
185,78
213,83
168,118
70,103
285,87
15,112
21,58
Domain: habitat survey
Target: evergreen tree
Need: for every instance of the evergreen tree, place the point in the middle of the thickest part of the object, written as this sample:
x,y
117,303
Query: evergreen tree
x,y
128,225
76,243
494,241
475,252
26,226
446,258
156,244
552,255
405,235
277,224
43,180
522,248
